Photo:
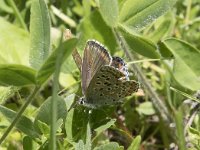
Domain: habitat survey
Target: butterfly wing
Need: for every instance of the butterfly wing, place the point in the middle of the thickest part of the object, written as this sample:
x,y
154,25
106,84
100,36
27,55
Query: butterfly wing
x,y
108,86
95,56
77,58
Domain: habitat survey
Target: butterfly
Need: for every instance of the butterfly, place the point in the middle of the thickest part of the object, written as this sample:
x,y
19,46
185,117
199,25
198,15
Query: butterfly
x,y
105,79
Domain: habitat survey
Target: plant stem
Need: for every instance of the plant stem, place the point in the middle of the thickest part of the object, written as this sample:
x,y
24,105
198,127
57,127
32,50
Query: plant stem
x,y
62,16
187,16
19,114
55,97
178,114
17,14
159,105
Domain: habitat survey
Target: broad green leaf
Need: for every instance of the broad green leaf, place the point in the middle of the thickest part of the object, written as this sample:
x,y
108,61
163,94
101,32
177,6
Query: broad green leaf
x,y
109,11
48,67
101,117
14,44
161,28
146,108
160,31
109,146
164,51
136,14
44,113
27,143
105,126
76,123
24,124
16,75
5,7
94,27
44,128
186,68
135,145
39,33
140,44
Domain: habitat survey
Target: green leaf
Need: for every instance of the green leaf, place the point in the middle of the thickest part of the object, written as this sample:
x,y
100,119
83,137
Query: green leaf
x,y
135,145
140,44
16,75
109,11
194,131
69,124
186,68
164,51
76,124
14,44
160,31
185,94
105,126
24,124
39,33
136,14
5,7
44,128
146,108
94,27
48,67
27,143
44,113
80,145
109,146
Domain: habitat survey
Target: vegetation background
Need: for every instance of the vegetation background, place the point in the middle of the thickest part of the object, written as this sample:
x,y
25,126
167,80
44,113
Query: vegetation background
x,y
159,39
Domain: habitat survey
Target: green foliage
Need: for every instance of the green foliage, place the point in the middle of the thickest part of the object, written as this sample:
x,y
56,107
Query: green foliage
x,y
25,124
16,75
159,38
140,45
135,144
48,66
136,14
110,16
40,33
14,44
184,56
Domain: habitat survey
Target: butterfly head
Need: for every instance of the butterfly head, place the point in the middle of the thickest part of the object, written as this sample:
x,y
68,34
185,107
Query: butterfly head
x,y
82,101
120,65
